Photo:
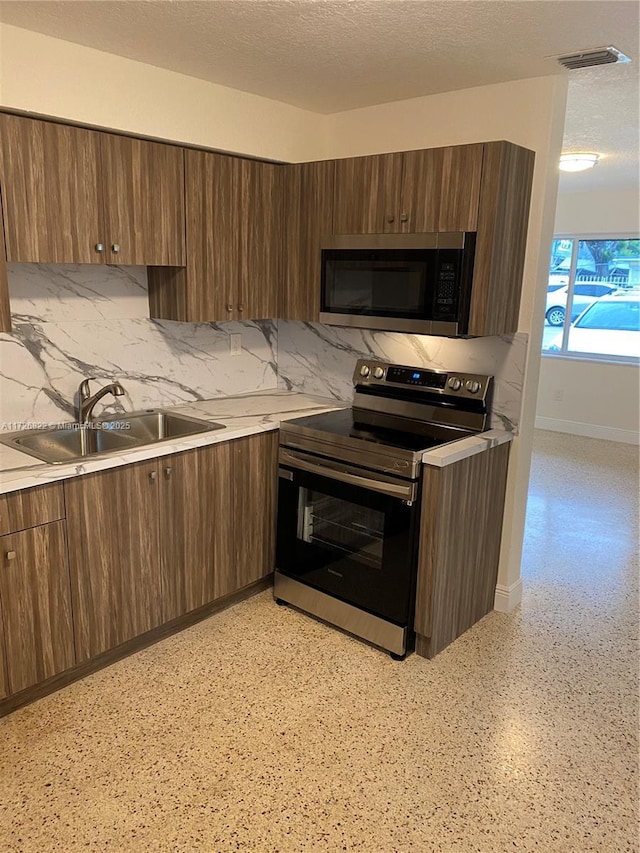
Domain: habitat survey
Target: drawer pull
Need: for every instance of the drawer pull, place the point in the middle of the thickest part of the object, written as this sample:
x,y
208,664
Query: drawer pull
x,y
167,472
153,476
11,555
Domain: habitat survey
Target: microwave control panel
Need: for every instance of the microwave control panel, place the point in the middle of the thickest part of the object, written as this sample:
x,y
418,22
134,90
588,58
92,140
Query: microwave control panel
x,y
447,290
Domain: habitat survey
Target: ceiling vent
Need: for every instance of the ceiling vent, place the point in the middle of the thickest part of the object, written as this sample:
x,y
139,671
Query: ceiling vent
x,y
591,57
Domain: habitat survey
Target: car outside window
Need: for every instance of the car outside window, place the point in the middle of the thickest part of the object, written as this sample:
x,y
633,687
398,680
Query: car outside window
x,y
593,281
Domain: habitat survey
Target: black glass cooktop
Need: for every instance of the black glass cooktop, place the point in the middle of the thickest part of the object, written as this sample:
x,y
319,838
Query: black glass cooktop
x,y
343,423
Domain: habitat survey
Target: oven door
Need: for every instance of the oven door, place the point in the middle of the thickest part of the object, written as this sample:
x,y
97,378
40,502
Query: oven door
x,y
353,537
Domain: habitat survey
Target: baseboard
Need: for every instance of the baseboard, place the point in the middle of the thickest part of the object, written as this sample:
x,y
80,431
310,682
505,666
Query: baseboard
x,y
626,436
508,597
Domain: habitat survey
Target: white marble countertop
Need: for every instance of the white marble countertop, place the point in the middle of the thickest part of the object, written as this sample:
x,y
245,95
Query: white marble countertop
x,y
247,414
243,415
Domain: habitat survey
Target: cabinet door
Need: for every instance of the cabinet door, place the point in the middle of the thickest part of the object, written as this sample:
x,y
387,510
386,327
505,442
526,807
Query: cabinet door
x,y
460,188
144,201
196,526
255,475
36,604
112,521
51,194
307,216
421,189
260,241
367,194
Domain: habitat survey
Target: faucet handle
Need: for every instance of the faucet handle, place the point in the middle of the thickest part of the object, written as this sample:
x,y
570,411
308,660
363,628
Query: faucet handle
x,y
84,390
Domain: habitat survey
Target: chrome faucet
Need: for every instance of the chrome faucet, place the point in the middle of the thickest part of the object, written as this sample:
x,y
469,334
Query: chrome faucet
x,y
86,402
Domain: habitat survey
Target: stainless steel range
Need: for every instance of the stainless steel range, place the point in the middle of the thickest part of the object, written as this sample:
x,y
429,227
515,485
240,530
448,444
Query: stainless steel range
x,y
349,496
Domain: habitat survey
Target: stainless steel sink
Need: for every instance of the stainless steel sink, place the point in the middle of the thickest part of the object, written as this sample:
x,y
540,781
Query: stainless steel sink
x,y
65,445
128,432
152,426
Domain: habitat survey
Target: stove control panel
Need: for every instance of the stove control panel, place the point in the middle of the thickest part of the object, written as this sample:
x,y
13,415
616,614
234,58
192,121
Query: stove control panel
x,y
443,382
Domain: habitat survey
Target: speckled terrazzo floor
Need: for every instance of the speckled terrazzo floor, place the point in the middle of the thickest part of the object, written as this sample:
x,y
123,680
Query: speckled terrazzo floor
x,y
262,730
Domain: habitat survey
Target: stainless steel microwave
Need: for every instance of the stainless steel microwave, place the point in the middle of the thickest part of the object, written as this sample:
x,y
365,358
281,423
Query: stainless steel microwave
x,y
418,283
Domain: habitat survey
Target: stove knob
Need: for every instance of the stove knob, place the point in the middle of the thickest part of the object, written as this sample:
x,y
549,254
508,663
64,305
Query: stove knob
x,y
454,383
365,370
378,372
472,386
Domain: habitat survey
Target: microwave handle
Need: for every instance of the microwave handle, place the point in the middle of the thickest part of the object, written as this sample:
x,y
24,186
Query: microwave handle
x,y
333,471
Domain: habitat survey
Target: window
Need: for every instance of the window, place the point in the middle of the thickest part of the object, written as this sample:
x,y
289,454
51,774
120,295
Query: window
x,y
593,299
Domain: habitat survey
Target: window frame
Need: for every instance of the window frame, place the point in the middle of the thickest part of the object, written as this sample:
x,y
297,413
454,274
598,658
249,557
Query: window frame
x,y
564,353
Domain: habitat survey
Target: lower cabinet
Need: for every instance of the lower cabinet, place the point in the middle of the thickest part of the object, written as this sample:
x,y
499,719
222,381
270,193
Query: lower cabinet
x,y
152,541
460,533
196,526
36,606
114,551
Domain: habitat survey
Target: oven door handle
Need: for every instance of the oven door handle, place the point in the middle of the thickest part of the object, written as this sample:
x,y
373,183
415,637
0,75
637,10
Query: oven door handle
x,y
336,471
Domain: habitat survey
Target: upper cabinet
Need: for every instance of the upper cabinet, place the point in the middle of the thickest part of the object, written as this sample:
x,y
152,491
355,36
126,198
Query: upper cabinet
x,y
234,207
51,192
228,238
143,185
307,216
436,189
71,195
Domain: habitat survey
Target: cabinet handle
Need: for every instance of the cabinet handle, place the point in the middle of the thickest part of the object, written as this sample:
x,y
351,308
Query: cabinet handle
x,y
153,476
11,555
240,309
99,247
167,472
229,308
390,218
115,248
404,217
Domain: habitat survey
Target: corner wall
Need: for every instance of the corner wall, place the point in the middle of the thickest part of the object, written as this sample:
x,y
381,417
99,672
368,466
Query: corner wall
x,y
616,415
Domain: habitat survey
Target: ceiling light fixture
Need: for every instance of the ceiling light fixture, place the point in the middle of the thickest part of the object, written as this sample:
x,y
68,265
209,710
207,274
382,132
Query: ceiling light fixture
x,y
578,161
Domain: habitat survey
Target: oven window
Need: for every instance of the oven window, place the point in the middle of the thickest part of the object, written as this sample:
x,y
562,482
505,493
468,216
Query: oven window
x,y
345,528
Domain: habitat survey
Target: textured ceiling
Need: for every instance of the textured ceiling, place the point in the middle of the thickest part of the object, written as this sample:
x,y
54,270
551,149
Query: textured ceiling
x,y
333,55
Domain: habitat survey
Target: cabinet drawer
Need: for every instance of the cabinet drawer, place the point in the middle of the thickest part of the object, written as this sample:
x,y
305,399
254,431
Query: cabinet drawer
x,y
31,507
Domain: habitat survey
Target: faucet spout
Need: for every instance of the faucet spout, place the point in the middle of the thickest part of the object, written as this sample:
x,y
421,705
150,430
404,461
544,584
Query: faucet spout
x,y
87,401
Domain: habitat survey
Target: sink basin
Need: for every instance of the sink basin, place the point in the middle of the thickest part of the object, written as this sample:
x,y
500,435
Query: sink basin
x,y
149,427
125,433
65,445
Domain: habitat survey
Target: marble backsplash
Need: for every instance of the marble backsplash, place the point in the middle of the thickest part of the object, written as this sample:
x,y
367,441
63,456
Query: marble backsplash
x,y
318,359
71,322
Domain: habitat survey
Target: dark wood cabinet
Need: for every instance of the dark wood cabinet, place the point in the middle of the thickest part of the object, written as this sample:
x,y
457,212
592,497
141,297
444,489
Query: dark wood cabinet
x,y
460,533
36,605
31,507
503,219
153,541
436,189
143,184
255,484
80,196
196,526
307,217
366,194
233,244
51,192
259,286
112,520
5,306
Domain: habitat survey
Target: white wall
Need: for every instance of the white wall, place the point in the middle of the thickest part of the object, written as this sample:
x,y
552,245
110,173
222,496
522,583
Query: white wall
x,y
598,399
59,79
